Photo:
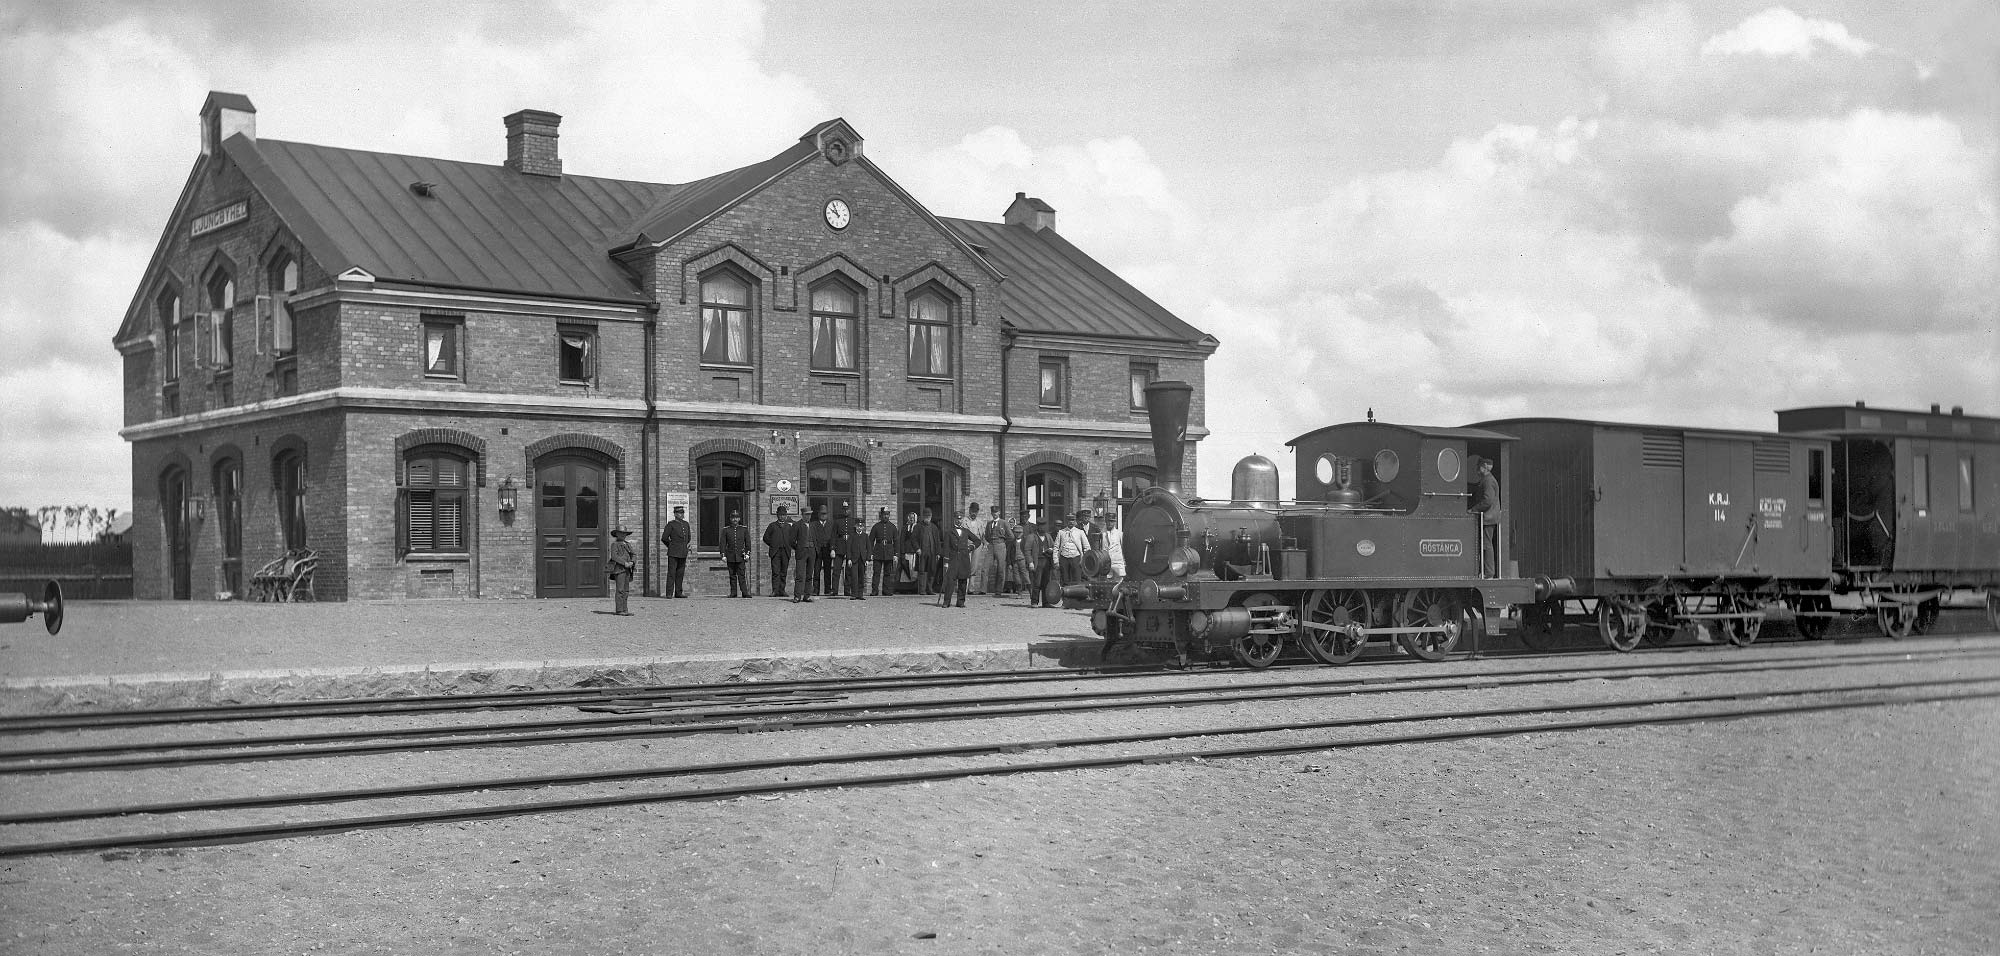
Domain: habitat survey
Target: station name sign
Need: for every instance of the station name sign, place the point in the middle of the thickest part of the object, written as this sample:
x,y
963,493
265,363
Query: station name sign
x,y
226,216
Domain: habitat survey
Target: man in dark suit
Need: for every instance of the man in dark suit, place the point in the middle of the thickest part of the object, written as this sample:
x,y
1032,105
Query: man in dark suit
x,y
841,529
829,577
778,547
736,553
958,561
676,538
883,543
806,539
1038,556
906,561
930,553
855,568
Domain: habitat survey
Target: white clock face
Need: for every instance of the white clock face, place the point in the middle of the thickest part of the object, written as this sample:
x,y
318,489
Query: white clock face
x,y
837,215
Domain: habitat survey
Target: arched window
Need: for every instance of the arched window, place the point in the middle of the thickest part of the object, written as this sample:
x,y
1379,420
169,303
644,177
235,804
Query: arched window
x,y
1132,482
725,319
283,280
1048,493
831,483
836,315
168,312
228,480
434,502
722,486
289,469
930,335
222,318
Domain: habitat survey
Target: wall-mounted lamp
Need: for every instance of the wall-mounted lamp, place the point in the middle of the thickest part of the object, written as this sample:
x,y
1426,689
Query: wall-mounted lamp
x,y
507,495
1103,503
200,507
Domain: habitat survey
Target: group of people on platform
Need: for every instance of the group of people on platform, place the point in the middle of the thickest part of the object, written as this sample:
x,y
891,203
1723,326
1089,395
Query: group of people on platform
x,y
838,557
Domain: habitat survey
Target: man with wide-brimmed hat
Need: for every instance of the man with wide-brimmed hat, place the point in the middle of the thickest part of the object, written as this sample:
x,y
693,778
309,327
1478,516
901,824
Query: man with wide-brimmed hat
x,y
619,565
778,547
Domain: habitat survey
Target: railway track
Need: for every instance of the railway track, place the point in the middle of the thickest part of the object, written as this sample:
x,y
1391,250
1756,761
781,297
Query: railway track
x,y
1611,714
657,717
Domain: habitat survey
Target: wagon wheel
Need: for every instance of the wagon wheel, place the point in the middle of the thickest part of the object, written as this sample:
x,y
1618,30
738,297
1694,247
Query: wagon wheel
x,y
1927,615
1539,623
1896,620
1325,632
1621,623
1741,631
1993,609
1812,628
1431,607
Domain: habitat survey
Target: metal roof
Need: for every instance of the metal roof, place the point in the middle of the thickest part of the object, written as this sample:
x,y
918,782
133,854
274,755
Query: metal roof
x,y
1052,286
481,227
1697,430
1426,431
691,205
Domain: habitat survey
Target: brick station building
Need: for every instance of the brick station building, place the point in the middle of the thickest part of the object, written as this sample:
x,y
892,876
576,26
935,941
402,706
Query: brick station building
x,y
454,379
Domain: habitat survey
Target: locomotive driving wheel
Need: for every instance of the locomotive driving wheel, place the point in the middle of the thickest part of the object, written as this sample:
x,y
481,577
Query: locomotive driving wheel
x,y
1258,650
1431,607
1330,629
1621,622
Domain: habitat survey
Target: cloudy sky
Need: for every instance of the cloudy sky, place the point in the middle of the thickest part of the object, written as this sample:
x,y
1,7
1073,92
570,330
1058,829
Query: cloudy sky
x,y
1446,210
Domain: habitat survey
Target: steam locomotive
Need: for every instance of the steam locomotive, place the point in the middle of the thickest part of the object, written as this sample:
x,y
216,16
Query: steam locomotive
x,y
1652,532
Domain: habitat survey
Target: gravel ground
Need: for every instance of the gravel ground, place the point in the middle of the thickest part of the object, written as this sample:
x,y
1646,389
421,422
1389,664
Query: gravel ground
x,y
1867,831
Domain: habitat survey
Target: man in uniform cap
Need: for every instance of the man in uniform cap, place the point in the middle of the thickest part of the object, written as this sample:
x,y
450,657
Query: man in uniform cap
x,y
883,543
736,553
929,549
806,538
842,531
676,538
619,565
778,547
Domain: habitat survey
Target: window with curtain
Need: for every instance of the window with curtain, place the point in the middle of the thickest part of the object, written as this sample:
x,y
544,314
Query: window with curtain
x,y
441,347
930,335
222,319
725,319
434,495
1055,383
836,315
1142,375
576,354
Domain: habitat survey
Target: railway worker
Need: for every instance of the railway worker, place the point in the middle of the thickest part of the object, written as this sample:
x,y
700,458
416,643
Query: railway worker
x,y
906,557
1038,558
835,555
1071,543
997,540
1114,546
778,546
855,578
1486,503
884,544
619,565
963,547
972,521
676,538
930,553
736,554
806,536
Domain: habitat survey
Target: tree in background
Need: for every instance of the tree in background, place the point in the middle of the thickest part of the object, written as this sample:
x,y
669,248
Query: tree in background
x,y
68,524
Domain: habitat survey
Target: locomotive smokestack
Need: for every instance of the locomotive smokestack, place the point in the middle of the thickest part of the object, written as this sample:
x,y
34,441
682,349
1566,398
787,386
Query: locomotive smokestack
x,y
1167,408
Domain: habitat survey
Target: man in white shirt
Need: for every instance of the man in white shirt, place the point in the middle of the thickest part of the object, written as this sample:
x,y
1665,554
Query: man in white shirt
x,y
1114,544
1071,543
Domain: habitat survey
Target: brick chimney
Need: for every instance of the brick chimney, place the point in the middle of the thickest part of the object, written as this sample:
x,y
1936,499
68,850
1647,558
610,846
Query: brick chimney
x,y
224,115
531,143
1033,213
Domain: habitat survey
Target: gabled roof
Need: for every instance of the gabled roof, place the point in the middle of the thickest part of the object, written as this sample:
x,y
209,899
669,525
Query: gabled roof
x,y
691,205
1052,286
481,227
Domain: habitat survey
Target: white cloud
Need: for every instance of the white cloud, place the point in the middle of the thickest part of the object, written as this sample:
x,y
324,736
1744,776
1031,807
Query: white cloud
x,y
1779,32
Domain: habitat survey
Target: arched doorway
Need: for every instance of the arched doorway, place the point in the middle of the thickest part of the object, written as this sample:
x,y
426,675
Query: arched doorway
x,y
929,483
1049,493
175,500
570,533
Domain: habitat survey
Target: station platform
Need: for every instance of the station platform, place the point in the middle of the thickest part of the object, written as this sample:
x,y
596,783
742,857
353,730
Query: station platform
x,y
126,654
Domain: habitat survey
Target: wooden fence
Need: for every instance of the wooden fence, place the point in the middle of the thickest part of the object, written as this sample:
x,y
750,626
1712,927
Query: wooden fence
x,y
92,570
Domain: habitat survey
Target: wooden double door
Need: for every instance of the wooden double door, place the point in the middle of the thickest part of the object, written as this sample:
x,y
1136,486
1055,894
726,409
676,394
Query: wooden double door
x,y
572,527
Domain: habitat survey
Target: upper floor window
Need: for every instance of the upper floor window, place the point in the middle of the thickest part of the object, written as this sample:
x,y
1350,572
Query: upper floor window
x,y
576,354
1142,375
930,335
222,319
441,345
836,314
434,501
169,314
284,281
1055,383
725,320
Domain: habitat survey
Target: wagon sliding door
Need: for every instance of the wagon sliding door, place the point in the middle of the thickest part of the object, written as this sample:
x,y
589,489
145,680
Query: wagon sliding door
x,y
1719,505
